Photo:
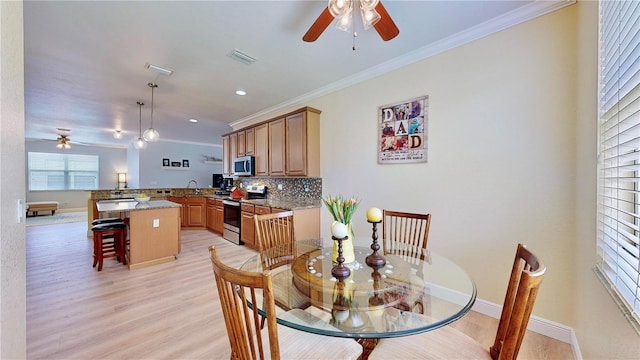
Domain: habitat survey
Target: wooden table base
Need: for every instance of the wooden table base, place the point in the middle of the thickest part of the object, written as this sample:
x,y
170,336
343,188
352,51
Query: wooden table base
x,y
368,345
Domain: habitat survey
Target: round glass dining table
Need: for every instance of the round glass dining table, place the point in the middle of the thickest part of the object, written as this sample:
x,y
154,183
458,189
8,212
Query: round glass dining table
x,y
403,297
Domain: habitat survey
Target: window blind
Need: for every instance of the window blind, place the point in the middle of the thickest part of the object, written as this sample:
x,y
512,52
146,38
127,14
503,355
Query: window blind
x,y
618,233
53,171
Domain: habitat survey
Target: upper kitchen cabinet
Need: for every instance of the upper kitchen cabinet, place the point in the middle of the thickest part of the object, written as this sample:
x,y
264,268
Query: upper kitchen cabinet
x,y
226,156
261,149
288,145
302,140
277,148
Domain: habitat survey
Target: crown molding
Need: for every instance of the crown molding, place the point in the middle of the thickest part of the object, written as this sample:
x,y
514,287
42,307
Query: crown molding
x,y
512,18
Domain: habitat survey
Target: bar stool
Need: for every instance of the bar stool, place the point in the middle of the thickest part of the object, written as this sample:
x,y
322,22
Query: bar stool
x,y
109,240
106,221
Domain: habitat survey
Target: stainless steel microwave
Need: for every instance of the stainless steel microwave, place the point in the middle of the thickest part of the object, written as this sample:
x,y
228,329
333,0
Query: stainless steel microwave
x,y
244,166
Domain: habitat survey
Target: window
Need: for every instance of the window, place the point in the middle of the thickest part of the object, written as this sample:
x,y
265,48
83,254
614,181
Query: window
x,y
618,235
48,171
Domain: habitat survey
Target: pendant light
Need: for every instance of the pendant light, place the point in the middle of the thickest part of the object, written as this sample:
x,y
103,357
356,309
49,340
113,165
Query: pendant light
x,y
151,134
139,142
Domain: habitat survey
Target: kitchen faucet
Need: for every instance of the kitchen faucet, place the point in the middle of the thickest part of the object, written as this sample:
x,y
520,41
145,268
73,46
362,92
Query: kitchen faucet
x,y
195,182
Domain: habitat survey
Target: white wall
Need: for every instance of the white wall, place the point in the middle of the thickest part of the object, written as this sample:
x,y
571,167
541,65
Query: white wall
x,y
153,175
12,248
512,122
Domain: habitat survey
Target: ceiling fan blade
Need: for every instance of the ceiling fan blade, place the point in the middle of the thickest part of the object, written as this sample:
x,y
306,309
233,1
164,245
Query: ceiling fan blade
x,y
385,26
321,23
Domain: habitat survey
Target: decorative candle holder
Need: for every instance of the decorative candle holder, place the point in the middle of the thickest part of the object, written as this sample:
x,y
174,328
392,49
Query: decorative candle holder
x,y
376,300
340,271
375,259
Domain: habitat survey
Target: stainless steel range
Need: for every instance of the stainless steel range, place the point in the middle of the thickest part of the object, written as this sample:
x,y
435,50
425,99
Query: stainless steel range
x,y
233,213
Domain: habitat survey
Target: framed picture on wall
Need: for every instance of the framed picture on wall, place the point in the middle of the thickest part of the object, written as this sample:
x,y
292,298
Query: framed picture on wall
x,y
175,164
402,131
185,163
165,162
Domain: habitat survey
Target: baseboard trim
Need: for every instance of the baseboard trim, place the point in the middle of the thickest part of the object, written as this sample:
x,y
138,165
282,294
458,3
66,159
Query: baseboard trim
x,y
536,324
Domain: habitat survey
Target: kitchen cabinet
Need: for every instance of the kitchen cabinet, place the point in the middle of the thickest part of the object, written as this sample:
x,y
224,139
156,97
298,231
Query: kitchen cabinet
x,y
193,211
249,139
302,139
246,142
284,146
277,147
247,228
226,156
240,143
218,217
261,149
215,215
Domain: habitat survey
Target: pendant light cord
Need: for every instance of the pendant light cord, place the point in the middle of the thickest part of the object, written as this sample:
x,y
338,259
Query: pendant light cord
x,y
140,119
152,86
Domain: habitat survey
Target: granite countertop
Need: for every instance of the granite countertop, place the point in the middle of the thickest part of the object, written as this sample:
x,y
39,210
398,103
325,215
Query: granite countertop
x,y
289,204
113,205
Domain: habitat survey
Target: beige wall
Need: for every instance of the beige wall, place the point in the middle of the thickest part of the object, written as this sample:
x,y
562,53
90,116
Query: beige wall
x,y
512,144
12,249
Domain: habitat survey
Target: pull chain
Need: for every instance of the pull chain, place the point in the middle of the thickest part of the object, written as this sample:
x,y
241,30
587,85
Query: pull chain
x,y
355,34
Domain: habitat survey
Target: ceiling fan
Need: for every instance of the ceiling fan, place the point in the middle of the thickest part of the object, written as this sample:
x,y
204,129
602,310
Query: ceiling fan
x,y
373,13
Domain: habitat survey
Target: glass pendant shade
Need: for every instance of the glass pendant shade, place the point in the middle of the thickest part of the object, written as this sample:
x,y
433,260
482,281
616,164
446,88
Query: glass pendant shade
x,y
140,143
151,134
117,134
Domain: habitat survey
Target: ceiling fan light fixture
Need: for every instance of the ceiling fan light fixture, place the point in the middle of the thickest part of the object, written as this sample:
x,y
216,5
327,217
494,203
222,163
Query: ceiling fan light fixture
x,y
345,22
369,4
369,17
338,8
63,142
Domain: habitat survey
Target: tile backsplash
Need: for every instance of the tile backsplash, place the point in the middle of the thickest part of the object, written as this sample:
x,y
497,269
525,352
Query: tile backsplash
x,y
292,187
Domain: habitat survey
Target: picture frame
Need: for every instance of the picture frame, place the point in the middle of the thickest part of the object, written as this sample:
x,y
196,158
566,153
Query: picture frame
x,y
175,164
165,162
185,163
402,131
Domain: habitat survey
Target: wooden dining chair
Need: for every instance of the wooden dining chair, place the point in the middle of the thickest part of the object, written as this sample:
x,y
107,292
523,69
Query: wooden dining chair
x,y
405,234
274,232
239,289
447,342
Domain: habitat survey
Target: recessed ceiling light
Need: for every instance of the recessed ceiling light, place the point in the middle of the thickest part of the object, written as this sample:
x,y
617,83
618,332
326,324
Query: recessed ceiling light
x,y
241,92
193,120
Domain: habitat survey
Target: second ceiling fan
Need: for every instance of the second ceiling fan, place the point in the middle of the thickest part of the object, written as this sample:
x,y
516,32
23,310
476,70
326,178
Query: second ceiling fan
x,y
373,13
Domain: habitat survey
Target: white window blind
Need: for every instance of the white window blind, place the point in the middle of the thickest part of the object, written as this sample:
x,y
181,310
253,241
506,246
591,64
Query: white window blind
x,y
54,171
618,235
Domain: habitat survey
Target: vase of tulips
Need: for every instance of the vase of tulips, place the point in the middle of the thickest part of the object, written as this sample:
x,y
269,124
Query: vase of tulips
x,y
342,210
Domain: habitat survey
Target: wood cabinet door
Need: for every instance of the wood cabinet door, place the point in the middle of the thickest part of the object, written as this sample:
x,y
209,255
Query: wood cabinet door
x,y
277,147
296,144
240,138
249,142
261,149
233,148
183,213
218,219
247,230
211,214
226,156
196,215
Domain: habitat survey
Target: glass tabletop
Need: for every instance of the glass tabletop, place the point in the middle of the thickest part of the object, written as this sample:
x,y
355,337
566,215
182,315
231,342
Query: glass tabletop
x,y
405,296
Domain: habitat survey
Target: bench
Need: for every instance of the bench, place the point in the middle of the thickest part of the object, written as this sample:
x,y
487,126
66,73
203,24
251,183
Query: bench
x,y
36,206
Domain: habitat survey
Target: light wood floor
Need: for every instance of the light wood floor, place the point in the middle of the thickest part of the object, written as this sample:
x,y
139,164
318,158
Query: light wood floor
x,y
168,311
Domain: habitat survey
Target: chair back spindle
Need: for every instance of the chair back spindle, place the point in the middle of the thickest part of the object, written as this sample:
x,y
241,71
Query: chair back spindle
x,y
405,234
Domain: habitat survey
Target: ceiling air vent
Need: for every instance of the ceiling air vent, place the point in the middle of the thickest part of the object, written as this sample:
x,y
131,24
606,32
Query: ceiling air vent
x,y
242,57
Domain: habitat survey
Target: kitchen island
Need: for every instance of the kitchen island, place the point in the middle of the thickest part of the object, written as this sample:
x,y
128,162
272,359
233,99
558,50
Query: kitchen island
x,y
154,230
